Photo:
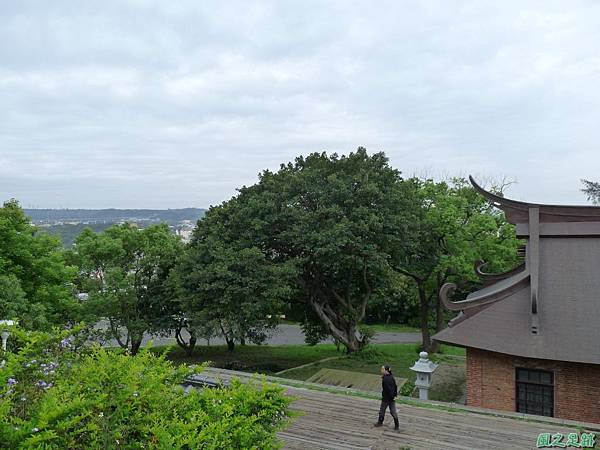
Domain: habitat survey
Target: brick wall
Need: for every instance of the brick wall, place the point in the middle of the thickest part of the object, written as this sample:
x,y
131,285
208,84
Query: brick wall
x,y
491,384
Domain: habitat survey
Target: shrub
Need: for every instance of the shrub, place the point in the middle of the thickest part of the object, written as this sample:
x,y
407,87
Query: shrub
x,y
407,388
369,355
99,398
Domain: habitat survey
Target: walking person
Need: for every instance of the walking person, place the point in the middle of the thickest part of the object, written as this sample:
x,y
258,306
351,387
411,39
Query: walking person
x,y
389,391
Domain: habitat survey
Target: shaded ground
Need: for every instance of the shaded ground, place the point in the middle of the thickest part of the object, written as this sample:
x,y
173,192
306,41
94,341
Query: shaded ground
x,y
301,362
267,359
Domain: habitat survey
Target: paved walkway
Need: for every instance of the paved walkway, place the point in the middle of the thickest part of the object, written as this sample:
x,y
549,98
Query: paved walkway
x,y
288,334
336,422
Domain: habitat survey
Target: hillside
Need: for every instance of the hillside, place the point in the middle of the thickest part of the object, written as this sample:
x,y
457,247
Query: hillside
x,y
68,223
171,216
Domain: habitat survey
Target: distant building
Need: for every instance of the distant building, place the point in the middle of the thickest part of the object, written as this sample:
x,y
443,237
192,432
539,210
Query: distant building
x,y
532,334
185,234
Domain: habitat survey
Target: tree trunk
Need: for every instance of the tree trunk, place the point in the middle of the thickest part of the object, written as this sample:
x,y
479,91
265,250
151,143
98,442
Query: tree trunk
x,y
188,347
242,341
424,316
439,314
344,331
191,345
353,344
135,346
230,344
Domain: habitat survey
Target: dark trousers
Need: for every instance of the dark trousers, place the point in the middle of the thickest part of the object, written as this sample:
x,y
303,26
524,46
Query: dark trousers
x,y
384,405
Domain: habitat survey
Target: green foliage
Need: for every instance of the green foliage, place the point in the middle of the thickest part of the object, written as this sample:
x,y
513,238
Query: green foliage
x,y
233,288
35,281
366,335
327,221
453,227
101,399
370,355
313,329
33,362
263,359
395,302
126,272
592,191
407,388
13,300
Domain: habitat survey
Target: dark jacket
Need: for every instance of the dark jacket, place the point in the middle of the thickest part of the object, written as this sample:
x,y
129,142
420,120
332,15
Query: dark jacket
x,y
389,389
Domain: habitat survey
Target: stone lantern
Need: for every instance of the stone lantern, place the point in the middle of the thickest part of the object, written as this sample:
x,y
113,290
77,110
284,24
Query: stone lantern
x,y
4,324
424,369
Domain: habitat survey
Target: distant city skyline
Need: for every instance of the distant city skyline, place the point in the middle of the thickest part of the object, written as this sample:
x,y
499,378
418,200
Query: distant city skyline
x,y
157,105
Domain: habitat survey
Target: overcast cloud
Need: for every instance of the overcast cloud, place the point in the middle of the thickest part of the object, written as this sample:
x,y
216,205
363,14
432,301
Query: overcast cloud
x,y
172,104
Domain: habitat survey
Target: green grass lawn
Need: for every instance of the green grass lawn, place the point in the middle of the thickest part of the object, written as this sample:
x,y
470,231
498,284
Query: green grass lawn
x,y
269,359
398,356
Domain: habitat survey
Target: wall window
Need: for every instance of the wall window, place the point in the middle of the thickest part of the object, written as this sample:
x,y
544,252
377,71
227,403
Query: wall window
x,y
535,392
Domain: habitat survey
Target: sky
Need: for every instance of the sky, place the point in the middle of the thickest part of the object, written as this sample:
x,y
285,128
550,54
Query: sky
x,y
160,104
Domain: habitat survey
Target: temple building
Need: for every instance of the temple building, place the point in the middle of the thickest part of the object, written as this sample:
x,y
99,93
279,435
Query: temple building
x,y
532,334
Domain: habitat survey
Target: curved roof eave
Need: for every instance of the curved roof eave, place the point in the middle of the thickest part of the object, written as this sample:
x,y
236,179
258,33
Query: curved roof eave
x,y
518,212
490,294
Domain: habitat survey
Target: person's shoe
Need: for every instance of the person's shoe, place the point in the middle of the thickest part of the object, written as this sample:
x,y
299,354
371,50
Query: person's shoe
x,y
378,424
396,424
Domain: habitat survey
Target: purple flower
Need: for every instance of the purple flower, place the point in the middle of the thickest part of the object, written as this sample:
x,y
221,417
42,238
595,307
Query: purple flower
x,y
11,381
44,385
66,342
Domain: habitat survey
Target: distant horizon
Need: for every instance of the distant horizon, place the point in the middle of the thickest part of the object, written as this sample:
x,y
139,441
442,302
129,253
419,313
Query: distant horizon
x,y
111,209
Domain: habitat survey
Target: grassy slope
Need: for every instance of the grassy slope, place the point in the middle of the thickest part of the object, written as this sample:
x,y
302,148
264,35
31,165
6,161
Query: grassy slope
x,y
400,357
271,359
265,359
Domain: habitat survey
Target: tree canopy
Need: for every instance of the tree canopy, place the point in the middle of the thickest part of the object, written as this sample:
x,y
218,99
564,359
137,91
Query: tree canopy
x,y
326,221
453,228
125,270
35,280
592,190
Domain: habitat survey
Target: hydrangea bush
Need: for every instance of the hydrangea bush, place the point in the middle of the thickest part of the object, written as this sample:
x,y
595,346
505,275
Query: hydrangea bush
x,y
55,394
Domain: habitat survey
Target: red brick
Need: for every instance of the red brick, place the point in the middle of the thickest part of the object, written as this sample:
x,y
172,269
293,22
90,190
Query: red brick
x,y
491,384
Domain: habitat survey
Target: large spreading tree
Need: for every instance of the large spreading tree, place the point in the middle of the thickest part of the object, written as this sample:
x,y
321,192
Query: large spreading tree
x,y
329,220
